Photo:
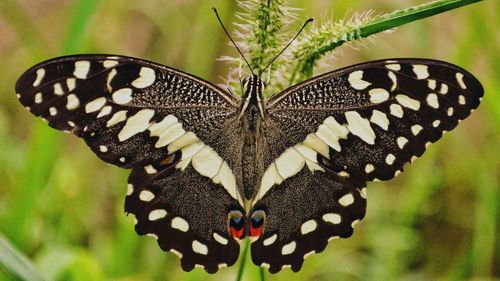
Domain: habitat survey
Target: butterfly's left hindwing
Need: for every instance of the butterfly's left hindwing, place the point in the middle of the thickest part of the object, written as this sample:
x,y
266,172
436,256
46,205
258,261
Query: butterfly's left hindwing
x,y
175,130
333,133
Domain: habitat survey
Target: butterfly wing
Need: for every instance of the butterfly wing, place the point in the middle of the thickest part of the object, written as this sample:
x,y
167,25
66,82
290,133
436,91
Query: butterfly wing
x,y
341,129
171,128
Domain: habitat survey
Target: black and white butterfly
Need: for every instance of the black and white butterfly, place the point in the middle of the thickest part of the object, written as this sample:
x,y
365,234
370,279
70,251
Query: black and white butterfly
x,y
210,168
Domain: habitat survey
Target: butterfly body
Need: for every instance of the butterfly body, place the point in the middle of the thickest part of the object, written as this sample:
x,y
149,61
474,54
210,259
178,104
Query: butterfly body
x,y
209,168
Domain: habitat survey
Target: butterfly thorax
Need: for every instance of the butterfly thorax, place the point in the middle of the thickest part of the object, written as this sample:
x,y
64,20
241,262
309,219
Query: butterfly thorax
x,y
251,118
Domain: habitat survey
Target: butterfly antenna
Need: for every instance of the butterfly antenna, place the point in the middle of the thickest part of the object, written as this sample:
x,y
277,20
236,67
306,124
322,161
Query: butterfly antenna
x,y
234,43
290,43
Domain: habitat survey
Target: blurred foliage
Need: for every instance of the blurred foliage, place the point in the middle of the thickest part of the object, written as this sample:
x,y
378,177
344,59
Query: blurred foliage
x,y
63,208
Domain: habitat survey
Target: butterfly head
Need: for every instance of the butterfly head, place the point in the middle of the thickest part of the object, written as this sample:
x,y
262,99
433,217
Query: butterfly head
x,y
253,87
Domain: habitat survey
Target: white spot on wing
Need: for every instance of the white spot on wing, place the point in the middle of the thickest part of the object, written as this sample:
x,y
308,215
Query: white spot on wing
x,y
402,141
183,141
460,80
199,247
308,254
444,89
53,111
228,181
378,95
340,130
432,100
111,75
288,248
135,124
461,100
207,162
450,111
332,218
175,252
314,142
130,189
369,168
220,239
396,110
109,63
346,200
152,235
308,226
265,265
356,80
421,71
431,83
146,78
146,195
157,214
415,129
289,163
389,159
394,80
118,117
270,240
180,224
393,66
58,90
167,131
72,102
81,69
104,111
103,148
122,96
95,105
408,102
150,169
380,119
71,84
270,178
326,134
40,73
360,127
38,98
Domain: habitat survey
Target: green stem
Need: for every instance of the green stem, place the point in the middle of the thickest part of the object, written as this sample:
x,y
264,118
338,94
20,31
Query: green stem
x,y
383,23
243,260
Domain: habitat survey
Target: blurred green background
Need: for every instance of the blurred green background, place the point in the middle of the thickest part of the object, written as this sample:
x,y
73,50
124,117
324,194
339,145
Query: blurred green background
x,y
63,208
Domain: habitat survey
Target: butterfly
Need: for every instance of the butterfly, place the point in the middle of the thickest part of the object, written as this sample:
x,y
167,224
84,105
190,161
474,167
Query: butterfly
x,y
210,168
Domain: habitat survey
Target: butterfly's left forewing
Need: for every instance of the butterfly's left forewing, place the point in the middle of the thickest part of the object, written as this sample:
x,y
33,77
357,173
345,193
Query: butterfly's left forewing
x,y
176,132
333,133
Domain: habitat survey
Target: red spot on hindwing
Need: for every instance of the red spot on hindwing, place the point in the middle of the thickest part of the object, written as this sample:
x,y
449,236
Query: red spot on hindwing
x,y
256,231
237,233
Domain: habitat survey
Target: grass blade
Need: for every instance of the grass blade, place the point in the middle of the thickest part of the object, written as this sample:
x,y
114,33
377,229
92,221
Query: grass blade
x,y
15,264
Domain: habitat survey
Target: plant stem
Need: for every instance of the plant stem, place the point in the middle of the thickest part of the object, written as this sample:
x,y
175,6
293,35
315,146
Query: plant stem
x,y
243,260
380,24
